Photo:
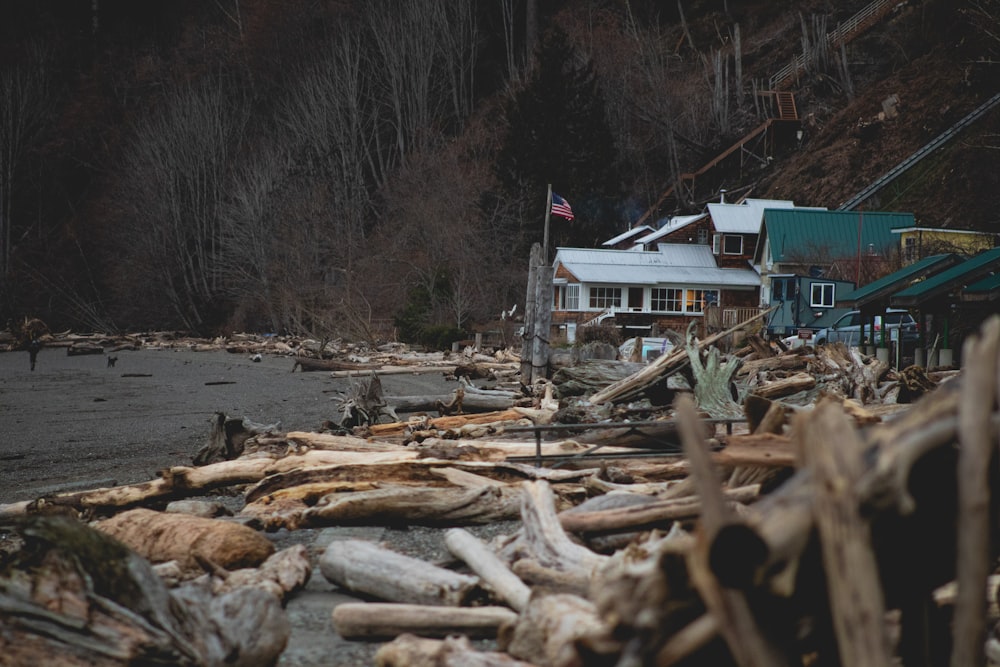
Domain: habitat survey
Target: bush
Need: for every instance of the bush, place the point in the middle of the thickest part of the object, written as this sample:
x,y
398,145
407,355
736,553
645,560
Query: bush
x,y
602,333
440,336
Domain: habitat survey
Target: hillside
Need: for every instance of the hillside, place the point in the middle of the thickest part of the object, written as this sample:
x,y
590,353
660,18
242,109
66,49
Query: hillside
x,y
345,169
851,147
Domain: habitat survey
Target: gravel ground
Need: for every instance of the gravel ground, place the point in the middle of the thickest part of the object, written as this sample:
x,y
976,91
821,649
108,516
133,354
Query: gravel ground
x,y
75,423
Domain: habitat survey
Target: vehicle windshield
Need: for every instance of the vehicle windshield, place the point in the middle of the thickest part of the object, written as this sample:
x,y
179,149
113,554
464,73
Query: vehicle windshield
x,y
850,319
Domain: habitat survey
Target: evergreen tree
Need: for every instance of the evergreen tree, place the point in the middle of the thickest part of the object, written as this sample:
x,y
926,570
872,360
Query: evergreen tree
x,y
558,133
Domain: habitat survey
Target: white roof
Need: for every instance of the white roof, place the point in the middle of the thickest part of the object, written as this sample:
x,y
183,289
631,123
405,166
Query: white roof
x,y
641,229
684,264
671,225
744,218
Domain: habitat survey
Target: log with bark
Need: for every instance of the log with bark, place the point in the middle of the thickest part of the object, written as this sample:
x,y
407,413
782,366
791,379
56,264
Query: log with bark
x,y
443,423
460,400
309,365
429,506
74,596
192,541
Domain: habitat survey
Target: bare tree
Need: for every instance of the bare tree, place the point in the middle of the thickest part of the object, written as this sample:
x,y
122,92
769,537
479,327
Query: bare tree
x,y
249,228
23,97
718,81
512,59
176,169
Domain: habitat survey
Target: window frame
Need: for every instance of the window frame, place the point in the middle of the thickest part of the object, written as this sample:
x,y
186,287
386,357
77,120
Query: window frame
x,y
671,296
571,297
602,297
693,296
822,303
725,244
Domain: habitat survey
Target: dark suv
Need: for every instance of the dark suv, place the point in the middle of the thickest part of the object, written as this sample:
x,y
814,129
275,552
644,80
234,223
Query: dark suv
x,y
848,329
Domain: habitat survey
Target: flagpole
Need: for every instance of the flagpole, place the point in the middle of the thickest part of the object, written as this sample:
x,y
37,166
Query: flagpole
x,y
545,242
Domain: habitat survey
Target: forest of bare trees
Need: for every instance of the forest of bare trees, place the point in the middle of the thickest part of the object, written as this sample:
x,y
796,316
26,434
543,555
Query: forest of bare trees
x,y
361,169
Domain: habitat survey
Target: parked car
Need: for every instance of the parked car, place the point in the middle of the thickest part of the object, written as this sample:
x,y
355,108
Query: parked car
x,y
847,330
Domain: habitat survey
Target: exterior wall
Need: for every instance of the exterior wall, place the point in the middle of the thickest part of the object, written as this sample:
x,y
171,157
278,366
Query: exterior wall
x,y
690,233
736,261
797,311
915,244
657,321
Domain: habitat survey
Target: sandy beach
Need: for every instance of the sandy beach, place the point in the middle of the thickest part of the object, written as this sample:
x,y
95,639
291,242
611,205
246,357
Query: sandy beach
x,y
76,423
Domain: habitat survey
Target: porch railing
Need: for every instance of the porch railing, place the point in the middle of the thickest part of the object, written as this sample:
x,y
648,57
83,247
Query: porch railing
x,y
733,316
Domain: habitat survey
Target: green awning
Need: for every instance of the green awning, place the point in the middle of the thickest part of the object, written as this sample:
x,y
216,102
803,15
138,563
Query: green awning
x,y
986,289
898,280
968,272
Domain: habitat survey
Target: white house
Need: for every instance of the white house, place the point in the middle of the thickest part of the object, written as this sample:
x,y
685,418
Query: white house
x,y
646,291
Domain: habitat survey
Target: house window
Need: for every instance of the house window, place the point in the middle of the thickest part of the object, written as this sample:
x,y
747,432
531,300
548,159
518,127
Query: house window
x,y
732,244
910,249
571,297
782,289
605,297
821,295
697,299
703,236
667,299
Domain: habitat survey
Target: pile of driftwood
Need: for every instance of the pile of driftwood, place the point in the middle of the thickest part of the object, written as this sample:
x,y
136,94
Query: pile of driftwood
x,y
823,532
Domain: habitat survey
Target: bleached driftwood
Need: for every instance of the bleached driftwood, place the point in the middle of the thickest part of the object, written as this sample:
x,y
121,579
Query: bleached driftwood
x,y
381,620
490,568
456,651
553,628
365,567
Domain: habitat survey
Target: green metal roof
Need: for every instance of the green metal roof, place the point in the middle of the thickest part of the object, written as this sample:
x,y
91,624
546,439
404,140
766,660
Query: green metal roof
x,y
797,233
983,290
898,280
969,271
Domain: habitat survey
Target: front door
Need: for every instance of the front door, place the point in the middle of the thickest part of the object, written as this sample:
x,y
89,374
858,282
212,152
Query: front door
x,y
635,298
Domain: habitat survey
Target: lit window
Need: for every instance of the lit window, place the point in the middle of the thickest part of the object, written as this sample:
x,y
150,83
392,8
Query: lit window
x,y
697,299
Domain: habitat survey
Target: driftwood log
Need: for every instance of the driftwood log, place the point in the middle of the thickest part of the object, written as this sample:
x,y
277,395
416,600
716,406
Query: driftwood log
x,y
661,368
556,629
385,620
73,596
365,567
190,540
456,651
433,506
308,365
490,568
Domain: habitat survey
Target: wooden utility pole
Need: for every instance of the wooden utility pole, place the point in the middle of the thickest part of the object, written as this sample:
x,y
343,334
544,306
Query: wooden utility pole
x,y
528,334
543,322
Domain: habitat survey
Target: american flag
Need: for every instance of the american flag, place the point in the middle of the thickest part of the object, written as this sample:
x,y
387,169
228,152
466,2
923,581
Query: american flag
x,y
561,207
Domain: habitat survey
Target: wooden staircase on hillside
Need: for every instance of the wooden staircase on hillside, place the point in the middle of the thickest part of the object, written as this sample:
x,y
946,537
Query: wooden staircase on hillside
x,y
784,100
786,113
786,106
842,34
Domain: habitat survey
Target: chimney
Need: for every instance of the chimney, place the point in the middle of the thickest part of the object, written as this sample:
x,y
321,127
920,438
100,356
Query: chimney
x,y
722,196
